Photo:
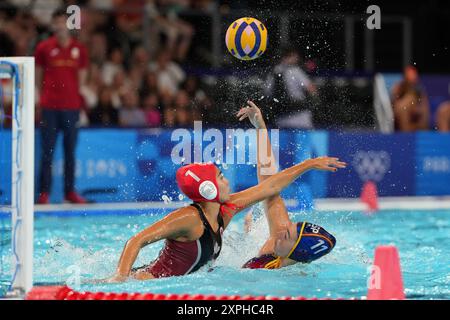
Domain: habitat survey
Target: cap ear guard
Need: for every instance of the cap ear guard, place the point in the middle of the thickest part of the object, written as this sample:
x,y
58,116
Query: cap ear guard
x,y
208,190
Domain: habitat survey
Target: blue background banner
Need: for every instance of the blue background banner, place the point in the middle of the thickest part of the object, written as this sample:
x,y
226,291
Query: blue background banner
x,y
433,164
106,167
116,165
387,160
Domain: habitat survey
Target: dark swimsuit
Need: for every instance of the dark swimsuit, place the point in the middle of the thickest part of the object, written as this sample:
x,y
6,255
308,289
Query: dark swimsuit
x,y
179,258
261,262
313,243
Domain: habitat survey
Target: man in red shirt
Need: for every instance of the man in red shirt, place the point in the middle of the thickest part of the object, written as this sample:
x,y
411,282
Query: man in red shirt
x,y
61,64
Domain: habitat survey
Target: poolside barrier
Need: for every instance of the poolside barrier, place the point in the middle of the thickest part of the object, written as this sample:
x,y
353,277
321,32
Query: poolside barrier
x,y
385,283
66,293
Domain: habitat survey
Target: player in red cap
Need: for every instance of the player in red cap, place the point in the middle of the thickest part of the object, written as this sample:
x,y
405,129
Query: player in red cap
x,y
193,234
289,242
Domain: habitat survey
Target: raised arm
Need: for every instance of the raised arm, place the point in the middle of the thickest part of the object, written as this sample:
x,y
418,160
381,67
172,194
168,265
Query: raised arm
x,y
275,208
272,184
264,148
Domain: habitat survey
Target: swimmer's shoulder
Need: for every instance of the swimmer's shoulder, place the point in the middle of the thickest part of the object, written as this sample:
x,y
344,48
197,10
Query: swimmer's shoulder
x,y
189,220
188,214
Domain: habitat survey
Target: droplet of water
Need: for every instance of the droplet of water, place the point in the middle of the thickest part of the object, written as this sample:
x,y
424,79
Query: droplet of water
x,y
166,199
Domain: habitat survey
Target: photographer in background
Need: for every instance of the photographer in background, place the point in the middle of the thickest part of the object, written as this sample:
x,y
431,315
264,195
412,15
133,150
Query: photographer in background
x,y
292,93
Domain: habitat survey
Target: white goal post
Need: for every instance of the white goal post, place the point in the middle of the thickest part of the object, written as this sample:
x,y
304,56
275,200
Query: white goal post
x,y
21,70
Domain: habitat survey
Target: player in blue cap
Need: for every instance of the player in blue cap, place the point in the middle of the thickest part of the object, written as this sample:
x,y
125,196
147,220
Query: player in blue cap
x,y
289,242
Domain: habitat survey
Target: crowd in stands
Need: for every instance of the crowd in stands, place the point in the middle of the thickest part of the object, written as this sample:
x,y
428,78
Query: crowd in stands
x,y
411,105
138,80
128,84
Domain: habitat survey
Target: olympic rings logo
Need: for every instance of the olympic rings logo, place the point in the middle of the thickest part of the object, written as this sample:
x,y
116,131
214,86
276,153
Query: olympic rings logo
x,y
372,165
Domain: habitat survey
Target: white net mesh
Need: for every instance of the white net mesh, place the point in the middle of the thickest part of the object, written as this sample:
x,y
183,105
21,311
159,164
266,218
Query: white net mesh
x,y
16,174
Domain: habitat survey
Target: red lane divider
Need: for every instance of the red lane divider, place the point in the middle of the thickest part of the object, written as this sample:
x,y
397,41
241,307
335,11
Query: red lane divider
x,y
385,283
65,293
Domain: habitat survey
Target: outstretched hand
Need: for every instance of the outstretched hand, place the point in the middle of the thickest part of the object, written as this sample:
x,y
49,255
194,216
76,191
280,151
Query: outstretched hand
x,y
327,164
253,113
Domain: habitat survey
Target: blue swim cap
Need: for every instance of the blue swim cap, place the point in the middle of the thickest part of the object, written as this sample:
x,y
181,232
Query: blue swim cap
x,y
313,242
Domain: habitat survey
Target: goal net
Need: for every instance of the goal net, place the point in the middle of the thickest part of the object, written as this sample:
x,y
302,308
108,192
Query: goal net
x,y
16,175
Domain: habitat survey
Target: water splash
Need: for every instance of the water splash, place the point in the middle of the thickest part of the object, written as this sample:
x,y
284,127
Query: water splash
x,y
94,244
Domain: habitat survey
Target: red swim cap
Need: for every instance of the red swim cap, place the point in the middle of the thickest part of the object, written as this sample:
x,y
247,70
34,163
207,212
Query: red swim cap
x,y
198,182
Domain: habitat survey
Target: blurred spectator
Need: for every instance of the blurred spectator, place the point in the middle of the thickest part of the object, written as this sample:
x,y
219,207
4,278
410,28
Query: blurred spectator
x,y
42,10
90,89
104,114
129,14
121,61
120,86
113,65
149,84
288,87
88,23
205,5
20,28
410,102
169,74
202,105
98,45
443,117
102,5
140,58
151,109
136,77
165,20
61,64
204,110
192,88
7,48
130,115
180,113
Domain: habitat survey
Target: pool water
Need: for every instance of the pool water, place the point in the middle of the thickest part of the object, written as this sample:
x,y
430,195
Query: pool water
x,y
68,249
